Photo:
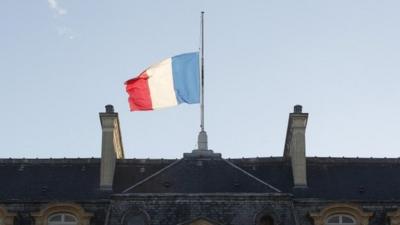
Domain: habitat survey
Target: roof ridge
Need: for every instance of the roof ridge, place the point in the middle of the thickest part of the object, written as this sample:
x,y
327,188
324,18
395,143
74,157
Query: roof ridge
x,y
252,176
151,176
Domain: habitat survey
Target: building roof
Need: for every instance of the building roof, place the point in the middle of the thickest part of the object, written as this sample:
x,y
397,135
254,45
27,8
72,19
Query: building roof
x,y
43,179
364,179
130,171
332,178
78,179
202,176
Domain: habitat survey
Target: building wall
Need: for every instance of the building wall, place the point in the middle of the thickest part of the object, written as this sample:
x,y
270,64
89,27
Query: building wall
x,y
375,213
27,213
227,209
234,209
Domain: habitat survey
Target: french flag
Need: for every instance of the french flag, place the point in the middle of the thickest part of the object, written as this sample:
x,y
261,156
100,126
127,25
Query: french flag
x,y
168,83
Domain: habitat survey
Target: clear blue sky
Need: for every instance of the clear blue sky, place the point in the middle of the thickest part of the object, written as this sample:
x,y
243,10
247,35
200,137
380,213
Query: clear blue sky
x,y
63,60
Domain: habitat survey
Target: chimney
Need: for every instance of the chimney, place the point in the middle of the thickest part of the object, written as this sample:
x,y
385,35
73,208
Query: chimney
x,y
111,146
295,146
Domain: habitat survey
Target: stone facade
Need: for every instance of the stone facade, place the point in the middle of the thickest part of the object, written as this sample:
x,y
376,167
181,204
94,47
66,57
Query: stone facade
x,y
224,209
227,209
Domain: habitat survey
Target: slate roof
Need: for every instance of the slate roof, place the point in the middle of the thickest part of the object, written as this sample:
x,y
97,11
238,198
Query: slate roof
x,y
67,179
78,179
202,176
332,178
131,171
43,179
362,179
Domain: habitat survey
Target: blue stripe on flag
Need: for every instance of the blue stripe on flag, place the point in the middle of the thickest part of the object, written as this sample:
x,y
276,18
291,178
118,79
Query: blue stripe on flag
x,y
186,73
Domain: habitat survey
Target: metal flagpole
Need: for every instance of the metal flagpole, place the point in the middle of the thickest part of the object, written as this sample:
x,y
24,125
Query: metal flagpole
x,y
202,143
202,138
202,72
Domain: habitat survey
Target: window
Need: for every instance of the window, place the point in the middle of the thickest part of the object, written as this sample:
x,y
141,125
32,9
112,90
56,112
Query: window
x,y
62,214
134,218
266,220
341,214
340,220
267,216
62,219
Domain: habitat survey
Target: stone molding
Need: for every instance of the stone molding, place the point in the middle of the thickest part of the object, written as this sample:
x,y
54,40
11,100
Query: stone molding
x,y
394,217
8,218
361,217
74,209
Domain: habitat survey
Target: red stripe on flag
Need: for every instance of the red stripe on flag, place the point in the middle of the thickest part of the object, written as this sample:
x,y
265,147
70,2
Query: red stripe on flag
x,y
139,93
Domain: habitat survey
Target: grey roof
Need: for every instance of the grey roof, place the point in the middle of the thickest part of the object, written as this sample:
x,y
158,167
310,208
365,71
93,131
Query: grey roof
x,y
43,179
202,176
78,179
332,178
131,171
363,179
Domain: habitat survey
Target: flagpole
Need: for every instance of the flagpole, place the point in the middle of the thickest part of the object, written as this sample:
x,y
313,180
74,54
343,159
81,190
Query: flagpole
x,y
202,142
202,150
202,73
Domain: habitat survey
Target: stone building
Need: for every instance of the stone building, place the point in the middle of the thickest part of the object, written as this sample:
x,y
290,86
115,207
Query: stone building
x,y
202,188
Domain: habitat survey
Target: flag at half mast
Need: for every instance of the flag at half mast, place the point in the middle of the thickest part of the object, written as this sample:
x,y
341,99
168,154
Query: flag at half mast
x,y
168,83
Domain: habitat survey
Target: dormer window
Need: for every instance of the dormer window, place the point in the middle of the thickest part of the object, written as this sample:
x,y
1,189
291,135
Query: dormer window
x,y
62,219
340,220
341,214
62,214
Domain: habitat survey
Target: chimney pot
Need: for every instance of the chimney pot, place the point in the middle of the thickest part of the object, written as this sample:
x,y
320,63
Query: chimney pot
x,y
109,108
298,109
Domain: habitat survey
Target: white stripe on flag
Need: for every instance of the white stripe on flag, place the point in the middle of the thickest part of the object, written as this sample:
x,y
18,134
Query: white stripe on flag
x,y
161,85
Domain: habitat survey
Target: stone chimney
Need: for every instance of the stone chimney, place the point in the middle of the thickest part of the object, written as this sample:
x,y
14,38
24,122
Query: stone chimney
x,y
295,146
111,146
